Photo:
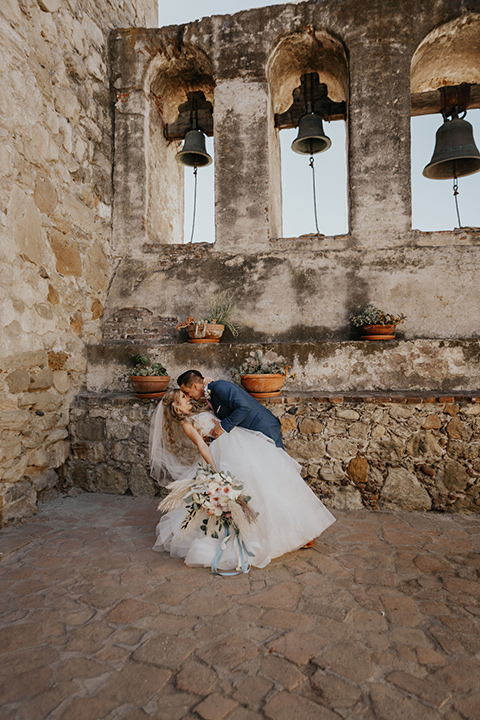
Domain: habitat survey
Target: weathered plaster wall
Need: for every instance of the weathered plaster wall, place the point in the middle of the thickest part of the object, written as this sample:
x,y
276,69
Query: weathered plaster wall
x,y
297,288
55,224
376,454
318,367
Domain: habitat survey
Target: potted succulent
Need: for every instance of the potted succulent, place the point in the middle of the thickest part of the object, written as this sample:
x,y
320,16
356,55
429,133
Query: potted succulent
x,y
149,380
376,324
210,329
261,378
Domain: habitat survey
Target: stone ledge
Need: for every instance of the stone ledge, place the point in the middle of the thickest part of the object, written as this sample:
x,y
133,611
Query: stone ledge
x,y
124,398
323,368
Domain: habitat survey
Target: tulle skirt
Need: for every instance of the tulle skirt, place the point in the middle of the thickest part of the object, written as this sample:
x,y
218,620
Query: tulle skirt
x,y
289,513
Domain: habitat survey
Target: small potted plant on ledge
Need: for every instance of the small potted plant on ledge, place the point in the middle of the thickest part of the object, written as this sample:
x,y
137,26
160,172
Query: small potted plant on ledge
x,y
261,378
376,324
149,380
210,329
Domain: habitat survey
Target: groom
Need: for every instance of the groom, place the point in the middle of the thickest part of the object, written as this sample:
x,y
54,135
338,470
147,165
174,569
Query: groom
x,y
232,405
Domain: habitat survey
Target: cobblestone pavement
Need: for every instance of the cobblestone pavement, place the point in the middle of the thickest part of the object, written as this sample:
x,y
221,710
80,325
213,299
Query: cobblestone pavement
x,y
379,620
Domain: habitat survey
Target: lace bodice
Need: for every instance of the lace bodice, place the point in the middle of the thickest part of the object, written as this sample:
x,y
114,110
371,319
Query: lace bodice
x,y
204,422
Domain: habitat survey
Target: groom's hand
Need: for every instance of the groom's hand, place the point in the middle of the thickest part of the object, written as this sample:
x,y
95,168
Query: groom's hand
x,y
217,430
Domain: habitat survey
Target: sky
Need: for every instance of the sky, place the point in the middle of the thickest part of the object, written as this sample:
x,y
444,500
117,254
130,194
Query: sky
x,y
433,205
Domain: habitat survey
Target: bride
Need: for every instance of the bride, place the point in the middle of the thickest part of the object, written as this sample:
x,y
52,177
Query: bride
x,y
289,513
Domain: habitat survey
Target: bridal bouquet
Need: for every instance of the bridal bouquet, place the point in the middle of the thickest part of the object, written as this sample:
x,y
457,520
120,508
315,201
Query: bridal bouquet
x,y
213,500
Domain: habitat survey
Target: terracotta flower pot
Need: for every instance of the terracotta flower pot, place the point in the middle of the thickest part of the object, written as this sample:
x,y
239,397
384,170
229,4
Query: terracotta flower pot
x,y
150,386
263,386
378,332
207,333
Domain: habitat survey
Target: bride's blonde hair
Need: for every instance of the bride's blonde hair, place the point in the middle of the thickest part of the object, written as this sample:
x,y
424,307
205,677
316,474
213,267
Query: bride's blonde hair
x,y
175,439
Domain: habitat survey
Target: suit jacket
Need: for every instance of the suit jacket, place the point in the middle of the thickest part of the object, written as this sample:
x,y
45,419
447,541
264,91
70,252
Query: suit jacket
x,y
234,406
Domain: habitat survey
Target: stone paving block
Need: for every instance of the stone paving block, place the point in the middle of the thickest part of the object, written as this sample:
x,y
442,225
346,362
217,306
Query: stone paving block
x,y
87,708
427,656
348,660
374,576
168,624
286,706
169,593
285,595
166,651
42,705
25,685
205,606
286,619
130,636
135,683
130,610
26,659
103,598
112,654
297,647
460,586
461,675
421,687
229,652
411,637
448,641
241,713
196,678
79,668
282,672
175,705
469,707
21,636
432,563
215,707
252,690
401,610
391,704
334,691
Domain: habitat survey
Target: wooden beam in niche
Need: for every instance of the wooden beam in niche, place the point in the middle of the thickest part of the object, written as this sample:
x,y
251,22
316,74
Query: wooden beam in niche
x,y
311,93
429,103
195,105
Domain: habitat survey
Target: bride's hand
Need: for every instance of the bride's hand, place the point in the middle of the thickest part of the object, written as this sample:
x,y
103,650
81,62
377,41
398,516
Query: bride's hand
x,y
217,430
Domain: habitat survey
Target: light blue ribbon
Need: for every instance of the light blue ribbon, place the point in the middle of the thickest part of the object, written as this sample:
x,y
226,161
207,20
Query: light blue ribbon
x,y
244,564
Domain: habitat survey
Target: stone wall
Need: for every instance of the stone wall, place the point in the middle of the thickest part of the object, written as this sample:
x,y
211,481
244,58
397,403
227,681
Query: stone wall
x,y
55,224
386,61
415,453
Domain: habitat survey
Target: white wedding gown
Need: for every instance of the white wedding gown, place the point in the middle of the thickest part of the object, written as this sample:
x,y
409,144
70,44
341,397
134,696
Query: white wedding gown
x,y
289,513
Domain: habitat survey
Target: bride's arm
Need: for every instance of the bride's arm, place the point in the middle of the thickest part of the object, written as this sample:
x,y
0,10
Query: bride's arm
x,y
198,440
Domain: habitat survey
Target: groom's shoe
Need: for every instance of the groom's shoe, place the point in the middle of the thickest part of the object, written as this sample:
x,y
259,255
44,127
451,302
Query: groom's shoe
x,y
308,545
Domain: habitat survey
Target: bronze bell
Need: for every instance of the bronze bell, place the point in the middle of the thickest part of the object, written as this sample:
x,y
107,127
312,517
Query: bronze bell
x,y
455,153
310,139
194,152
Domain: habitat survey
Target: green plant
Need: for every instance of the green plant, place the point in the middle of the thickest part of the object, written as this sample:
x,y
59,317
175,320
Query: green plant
x,y
143,367
371,315
258,365
221,309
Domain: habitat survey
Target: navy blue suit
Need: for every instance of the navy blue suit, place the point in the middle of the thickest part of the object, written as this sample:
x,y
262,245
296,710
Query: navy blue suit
x,y
234,406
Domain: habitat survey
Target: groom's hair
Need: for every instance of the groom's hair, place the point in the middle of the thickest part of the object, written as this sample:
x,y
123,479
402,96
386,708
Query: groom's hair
x,y
189,377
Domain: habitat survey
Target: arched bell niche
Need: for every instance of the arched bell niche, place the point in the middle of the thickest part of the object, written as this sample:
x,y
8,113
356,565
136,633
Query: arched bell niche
x,y
447,57
294,56
169,83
